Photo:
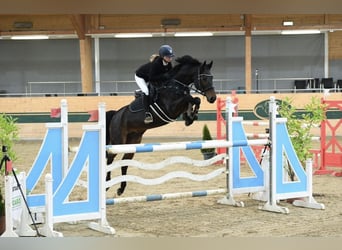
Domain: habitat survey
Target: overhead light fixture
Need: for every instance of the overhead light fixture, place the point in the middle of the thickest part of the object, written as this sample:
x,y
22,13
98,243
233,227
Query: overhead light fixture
x,y
299,32
23,25
30,37
132,35
191,34
170,22
265,32
287,23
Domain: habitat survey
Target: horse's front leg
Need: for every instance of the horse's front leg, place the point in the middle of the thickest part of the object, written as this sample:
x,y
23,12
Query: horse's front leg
x,y
197,103
123,184
192,112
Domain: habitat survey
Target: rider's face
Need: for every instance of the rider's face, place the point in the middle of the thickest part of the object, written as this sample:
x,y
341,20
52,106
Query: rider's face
x,y
167,58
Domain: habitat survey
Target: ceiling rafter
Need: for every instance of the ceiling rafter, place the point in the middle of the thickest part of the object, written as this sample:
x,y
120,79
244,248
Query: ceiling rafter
x,y
79,24
84,25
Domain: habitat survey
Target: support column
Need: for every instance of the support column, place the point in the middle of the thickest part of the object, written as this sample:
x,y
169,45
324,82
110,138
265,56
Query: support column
x,y
97,65
86,65
326,54
248,54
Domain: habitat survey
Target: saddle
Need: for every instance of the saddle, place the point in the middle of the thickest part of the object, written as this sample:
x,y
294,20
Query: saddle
x,y
138,104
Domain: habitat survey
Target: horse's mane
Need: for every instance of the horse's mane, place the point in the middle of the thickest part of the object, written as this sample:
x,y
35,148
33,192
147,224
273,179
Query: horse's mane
x,y
187,60
184,60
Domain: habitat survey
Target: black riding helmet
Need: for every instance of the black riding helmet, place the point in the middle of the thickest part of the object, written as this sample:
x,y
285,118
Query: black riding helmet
x,y
166,50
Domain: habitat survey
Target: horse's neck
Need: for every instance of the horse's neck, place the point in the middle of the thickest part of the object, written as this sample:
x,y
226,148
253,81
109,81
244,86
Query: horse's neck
x,y
173,100
174,97
184,78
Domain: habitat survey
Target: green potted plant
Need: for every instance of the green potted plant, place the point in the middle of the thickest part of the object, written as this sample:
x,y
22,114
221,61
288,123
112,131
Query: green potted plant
x,y
8,134
299,126
207,152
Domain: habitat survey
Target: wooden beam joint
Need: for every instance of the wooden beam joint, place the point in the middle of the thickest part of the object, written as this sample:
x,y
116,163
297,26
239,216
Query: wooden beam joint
x,y
79,23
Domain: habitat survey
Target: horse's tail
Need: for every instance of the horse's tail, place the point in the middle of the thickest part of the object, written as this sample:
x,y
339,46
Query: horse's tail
x,y
109,116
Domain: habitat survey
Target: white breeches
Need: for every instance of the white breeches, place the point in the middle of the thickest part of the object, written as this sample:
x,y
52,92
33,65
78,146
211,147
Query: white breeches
x,y
142,84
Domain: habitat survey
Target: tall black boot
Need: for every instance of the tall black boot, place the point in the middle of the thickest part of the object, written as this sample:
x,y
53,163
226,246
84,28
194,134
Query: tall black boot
x,y
148,115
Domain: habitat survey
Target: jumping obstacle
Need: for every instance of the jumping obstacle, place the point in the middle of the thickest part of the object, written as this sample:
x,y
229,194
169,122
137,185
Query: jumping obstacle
x,y
61,179
328,155
270,181
221,125
58,206
331,150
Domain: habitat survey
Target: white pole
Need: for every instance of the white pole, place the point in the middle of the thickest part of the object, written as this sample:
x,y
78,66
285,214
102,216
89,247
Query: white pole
x,y
326,54
65,136
97,65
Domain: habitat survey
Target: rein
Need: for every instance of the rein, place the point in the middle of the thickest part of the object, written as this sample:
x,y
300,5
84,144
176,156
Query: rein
x,y
196,89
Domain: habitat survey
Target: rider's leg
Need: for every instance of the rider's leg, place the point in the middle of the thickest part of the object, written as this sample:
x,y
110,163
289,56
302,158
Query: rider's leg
x,y
143,86
148,115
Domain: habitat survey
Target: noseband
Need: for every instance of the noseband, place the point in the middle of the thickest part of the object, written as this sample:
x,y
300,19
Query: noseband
x,y
200,77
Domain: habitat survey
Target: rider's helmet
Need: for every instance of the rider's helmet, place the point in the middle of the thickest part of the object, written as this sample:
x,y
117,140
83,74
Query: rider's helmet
x,y
166,50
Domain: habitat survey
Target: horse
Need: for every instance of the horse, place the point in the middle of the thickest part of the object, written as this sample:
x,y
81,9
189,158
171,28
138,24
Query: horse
x,y
171,99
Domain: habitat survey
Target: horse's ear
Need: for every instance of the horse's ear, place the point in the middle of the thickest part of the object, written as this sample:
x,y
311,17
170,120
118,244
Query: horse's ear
x,y
210,64
203,64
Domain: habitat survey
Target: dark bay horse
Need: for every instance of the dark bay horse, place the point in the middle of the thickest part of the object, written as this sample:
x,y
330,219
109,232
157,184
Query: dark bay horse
x,y
172,99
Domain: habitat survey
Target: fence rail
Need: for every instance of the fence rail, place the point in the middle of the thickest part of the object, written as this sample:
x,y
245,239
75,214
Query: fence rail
x,y
116,87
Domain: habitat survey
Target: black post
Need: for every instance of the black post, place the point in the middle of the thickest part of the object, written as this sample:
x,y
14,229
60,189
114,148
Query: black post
x,y
257,80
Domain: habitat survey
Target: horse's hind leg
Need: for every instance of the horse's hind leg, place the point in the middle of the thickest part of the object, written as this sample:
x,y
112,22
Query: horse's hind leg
x,y
123,184
110,158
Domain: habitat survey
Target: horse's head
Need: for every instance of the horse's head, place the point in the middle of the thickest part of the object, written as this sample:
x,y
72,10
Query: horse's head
x,y
189,70
204,81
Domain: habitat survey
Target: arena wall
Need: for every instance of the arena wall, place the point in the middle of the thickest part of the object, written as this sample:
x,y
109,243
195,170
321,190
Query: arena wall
x,y
38,110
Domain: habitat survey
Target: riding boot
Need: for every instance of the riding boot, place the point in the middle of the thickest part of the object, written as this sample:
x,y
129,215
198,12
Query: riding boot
x,y
138,93
148,115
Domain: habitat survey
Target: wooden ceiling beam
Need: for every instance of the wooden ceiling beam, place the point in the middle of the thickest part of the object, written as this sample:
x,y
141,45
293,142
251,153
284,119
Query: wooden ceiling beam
x,y
299,27
79,24
86,24
248,24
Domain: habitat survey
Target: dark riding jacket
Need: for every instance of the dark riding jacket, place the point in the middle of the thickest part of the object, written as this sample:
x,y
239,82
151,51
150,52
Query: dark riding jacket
x,y
154,72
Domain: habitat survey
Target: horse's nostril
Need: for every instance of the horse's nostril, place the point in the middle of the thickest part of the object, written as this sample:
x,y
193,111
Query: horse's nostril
x,y
212,99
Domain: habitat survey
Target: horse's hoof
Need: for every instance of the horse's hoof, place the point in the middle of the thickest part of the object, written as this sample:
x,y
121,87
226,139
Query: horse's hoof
x,y
188,123
119,192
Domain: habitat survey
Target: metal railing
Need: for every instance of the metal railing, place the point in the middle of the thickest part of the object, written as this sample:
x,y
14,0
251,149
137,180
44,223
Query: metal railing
x,y
116,87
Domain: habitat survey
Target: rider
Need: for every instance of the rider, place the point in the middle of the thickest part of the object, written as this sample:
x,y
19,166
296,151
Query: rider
x,y
154,72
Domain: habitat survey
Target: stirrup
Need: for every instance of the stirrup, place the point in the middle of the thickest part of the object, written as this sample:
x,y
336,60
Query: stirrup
x,y
148,118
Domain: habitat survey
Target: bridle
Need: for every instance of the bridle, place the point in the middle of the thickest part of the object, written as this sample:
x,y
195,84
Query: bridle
x,y
198,87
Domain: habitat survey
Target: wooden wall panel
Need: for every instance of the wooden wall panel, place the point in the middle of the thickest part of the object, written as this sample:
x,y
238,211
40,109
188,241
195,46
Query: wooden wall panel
x,y
85,104
335,45
109,23
298,20
40,22
125,23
